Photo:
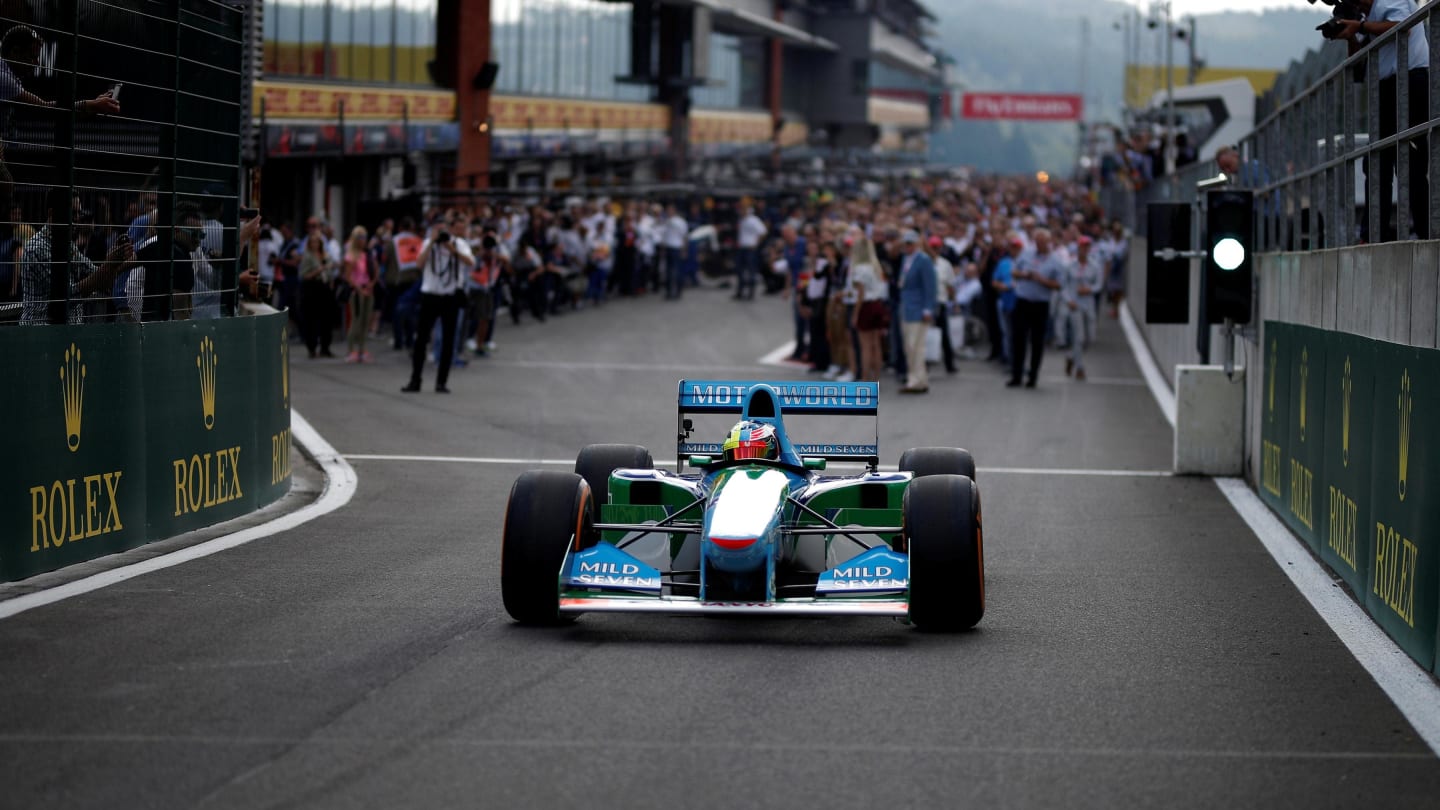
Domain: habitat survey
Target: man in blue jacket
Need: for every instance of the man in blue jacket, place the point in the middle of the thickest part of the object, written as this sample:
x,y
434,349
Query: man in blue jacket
x,y
917,310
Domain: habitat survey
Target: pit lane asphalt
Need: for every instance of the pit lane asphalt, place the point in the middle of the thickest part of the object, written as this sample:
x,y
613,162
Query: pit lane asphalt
x,y
1140,647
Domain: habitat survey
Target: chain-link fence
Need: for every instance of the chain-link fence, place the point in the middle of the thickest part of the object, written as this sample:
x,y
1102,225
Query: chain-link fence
x,y
119,159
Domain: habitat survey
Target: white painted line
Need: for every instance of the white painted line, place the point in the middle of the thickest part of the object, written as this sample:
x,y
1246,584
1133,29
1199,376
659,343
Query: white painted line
x,y
565,462
1079,472
340,484
1153,378
558,365
1411,688
781,356
531,462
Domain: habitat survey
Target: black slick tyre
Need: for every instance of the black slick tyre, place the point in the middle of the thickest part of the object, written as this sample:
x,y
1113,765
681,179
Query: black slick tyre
x,y
547,511
947,558
925,461
597,461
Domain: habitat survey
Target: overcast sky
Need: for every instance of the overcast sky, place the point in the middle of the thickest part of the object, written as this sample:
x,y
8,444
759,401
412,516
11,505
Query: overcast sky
x,y
1182,7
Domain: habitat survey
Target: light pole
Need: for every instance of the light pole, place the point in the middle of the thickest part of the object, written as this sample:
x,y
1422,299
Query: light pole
x,y
1156,8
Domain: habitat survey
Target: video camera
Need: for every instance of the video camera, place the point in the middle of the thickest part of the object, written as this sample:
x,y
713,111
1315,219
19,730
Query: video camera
x,y
1340,10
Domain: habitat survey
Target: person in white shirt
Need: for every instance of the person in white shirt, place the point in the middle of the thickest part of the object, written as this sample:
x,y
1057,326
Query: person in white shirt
x,y
332,246
872,314
674,234
1082,281
444,259
1381,16
944,296
647,239
750,231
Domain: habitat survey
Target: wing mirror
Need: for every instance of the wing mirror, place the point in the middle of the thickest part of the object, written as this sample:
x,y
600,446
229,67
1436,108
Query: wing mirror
x,y
816,464
701,462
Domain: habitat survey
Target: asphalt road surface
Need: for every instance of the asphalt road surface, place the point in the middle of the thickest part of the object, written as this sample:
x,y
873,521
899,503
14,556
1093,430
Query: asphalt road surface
x,y
1140,647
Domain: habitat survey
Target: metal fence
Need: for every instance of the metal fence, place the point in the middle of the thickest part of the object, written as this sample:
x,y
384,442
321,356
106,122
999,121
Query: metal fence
x,y
1308,160
120,122
1318,160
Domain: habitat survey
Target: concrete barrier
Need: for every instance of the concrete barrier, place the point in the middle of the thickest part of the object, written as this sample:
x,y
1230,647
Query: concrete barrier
x,y
127,433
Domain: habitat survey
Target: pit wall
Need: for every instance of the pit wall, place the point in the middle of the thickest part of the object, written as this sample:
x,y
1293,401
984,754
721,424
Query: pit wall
x,y
122,434
1343,416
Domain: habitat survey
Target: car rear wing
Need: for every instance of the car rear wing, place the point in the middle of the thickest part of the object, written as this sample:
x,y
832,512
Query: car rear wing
x,y
797,397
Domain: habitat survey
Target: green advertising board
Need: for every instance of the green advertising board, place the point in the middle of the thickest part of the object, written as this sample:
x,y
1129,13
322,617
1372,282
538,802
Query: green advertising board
x,y
203,444
73,482
126,433
1344,509
1304,431
1404,525
272,408
1274,416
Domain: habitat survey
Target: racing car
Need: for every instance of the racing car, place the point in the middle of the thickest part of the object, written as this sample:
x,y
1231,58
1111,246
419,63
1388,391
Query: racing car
x,y
753,527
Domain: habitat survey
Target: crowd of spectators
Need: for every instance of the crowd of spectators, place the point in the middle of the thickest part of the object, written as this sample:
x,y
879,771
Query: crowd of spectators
x,y
938,269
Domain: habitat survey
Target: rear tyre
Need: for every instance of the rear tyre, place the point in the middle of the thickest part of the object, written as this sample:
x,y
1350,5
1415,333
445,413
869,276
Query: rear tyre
x,y
925,461
947,559
597,461
547,511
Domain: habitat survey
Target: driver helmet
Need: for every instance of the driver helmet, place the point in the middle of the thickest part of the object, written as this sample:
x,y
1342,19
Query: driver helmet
x,y
750,439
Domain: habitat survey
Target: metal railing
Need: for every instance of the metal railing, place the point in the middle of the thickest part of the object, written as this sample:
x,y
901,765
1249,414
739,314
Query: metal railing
x,y
121,158
1316,161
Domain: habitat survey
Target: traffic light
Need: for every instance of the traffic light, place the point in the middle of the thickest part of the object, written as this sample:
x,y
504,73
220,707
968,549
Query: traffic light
x,y
1229,266
1167,263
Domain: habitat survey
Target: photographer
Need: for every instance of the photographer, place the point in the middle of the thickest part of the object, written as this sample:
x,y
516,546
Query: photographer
x,y
1381,16
441,258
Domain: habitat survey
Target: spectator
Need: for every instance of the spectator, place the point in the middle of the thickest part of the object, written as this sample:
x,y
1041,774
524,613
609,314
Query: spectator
x,y
647,232
627,257
816,304
10,252
597,272
837,318
489,267
1082,282
317,297
20,48
1036,280
1004,285
872,314
917,310
402,290
1118,251
751,230
1381,16
442,259
38,268
160,288
359,274
944,299
675,233
795,252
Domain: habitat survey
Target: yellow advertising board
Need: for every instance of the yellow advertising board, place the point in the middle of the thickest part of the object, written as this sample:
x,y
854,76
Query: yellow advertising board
x,y
536,112
1142,82
282,100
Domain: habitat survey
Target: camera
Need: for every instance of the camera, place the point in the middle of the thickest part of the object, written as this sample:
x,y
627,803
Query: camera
x,y
488,243
1340,10
442,238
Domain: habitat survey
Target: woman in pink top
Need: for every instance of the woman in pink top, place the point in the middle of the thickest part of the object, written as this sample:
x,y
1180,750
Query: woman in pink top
x,y
359,275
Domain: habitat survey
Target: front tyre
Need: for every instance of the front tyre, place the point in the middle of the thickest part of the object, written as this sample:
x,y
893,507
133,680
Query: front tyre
x,y
947,559
547,511
924,461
